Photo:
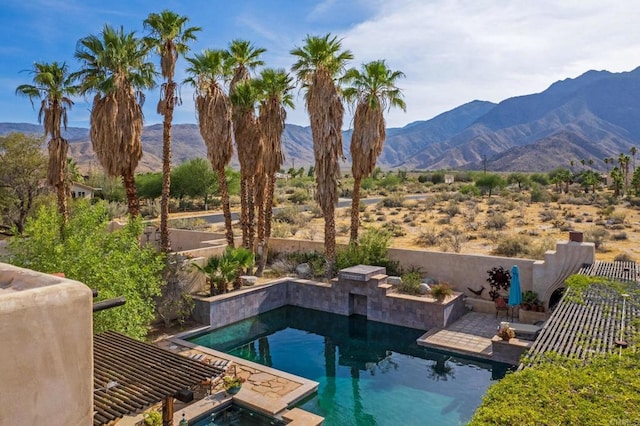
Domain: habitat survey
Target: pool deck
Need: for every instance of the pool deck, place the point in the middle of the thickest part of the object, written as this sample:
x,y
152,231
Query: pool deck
x,y
266,390
470,335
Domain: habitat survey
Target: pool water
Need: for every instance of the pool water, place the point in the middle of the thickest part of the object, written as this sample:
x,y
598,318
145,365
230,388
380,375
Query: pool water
x,y
369,373
237,416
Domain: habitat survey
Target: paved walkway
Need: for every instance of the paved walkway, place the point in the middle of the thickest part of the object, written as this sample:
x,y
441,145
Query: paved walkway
x,y
470,335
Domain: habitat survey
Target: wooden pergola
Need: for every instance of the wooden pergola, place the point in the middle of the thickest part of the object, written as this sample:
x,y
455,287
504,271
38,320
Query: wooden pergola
x,y
601,321
131,376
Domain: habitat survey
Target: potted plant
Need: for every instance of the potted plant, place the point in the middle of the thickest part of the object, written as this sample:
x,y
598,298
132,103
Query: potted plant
x,y
506,332
232,384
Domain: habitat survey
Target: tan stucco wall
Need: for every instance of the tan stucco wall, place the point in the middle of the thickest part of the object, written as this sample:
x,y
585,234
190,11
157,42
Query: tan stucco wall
x,y
46,361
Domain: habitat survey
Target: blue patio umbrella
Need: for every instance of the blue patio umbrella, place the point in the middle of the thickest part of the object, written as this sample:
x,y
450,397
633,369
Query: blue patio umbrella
x,y
515,293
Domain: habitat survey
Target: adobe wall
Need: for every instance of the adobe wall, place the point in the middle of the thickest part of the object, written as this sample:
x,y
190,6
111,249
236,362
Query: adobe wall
x,y
46,364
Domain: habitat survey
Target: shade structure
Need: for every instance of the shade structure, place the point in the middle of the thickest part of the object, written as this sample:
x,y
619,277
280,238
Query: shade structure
x,y
515,292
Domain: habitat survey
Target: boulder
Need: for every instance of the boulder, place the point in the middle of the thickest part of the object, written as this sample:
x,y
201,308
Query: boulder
x,y
304,270
424,288
248,280
395,281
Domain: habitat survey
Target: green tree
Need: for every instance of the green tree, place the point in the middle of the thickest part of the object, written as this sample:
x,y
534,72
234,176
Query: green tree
x,y
489,182
208,72
225,269
243,57
635,182
373,89
195,179
22,167
320,63
53,85
169,36
113,263
623,161
275,88
617,176
521,179
116,69
149,185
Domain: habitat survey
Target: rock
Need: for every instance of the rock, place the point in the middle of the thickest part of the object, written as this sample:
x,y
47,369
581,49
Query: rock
x,y
394,280
424,288
248,280
430,281
304,270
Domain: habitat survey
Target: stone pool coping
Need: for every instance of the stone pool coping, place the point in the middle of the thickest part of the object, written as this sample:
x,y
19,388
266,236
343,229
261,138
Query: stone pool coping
x,y
267,390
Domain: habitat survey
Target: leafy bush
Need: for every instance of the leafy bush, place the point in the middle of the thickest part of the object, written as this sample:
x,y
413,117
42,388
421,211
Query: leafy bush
x,y
299,196
372,249
410,283
113,263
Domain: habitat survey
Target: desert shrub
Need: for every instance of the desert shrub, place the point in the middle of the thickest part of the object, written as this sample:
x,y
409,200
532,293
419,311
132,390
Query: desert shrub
x,y
454,238
496,221
440,291
513,246
410,283
444,220
390,182
423,178
280,230
452,209
540,179
314,259
619,236
394,200
548,215
299,196
190,223
372,249
538,250
464,177
437,178
623,257
617,218
116,209
290,215
596,236
427,238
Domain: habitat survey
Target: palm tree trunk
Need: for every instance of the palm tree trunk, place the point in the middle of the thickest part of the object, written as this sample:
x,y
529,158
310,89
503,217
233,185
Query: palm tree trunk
x,y
244,212
61,191
129,182
261,185
251,213
330,239
226,211
165,243
355,210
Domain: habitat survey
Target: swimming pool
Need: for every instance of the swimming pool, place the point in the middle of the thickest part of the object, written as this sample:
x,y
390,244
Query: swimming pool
x,y
237,416
369,373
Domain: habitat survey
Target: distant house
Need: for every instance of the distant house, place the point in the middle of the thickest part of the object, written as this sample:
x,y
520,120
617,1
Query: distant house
x,y
448,178
284,176
80,190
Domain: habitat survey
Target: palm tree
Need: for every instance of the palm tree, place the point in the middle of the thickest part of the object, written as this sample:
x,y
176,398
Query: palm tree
x,y
633,151
209,72
116,69
320,63
243,56
274,87
250,152
169,36
374,90
53,85
624,160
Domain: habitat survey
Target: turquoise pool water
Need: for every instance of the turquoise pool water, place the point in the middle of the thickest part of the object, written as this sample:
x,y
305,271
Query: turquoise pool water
x,y
369,373
235,416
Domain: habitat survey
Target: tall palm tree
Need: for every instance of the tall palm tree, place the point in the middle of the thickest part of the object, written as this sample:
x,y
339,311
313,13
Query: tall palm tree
x,y
633,151
209,71
169,36
250,152
115,67
53,85
274,87
243,56
374,90
320,62
623,160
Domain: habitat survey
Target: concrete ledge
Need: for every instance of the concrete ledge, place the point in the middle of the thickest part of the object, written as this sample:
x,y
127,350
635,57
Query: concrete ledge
x,y
257,402
298,417
509,351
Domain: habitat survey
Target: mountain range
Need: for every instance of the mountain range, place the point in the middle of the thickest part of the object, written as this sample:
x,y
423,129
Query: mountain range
x,y
591,117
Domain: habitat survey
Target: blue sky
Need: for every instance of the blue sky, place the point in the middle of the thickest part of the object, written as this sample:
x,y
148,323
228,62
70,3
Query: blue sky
x,y
452,51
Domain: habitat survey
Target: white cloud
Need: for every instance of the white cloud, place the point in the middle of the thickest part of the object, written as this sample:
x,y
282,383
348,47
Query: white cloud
x,y
456,51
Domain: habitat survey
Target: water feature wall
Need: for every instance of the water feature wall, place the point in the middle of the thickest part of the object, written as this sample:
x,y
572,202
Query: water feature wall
x,y
358,290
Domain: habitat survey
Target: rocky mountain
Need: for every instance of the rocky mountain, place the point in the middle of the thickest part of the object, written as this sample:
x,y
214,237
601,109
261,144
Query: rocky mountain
x,y
593,116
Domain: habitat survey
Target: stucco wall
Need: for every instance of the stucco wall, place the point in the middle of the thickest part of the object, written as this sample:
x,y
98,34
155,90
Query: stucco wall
x,y
46,364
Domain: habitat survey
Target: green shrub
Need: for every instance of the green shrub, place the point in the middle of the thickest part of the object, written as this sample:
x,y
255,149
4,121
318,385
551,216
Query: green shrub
x,y
371,249
394,200
496,221
410,283
513,246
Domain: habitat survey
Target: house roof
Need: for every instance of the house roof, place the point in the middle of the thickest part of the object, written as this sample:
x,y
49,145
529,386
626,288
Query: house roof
x,y
82,185
130,376
596,321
